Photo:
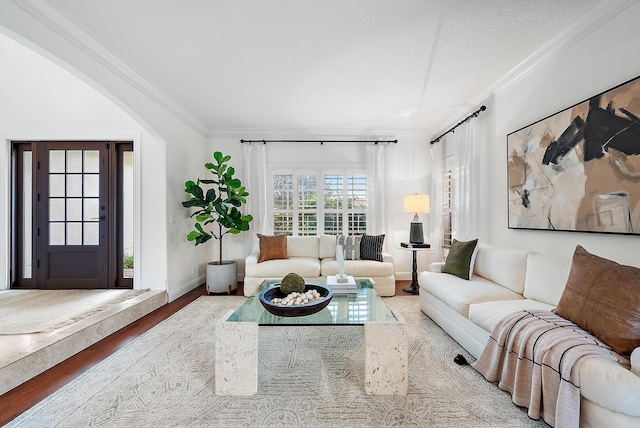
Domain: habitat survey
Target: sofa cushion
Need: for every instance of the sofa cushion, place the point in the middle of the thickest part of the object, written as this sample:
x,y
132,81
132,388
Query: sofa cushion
x,y
371,247
603,297
545,278
459,293
327,246
461,257
306,267
610,385
357,268
350,246
302,246
503,266
487,314
272,247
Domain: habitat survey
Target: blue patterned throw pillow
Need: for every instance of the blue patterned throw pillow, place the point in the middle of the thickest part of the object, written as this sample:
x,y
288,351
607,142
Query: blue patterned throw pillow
x,y
371,247
350,246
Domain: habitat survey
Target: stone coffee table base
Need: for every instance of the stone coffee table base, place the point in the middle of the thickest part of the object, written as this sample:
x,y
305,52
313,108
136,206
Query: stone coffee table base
x,y
386,359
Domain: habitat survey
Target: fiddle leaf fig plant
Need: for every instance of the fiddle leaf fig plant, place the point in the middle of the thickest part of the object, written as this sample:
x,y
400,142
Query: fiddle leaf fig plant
x,y
218,205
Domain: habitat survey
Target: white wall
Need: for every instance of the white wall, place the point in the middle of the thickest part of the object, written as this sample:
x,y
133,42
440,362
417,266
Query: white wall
x,y
411,175
43,101
601,60
170,142
186,263
40,101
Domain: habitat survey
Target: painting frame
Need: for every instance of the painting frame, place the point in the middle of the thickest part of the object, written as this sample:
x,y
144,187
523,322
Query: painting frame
x,y
578,169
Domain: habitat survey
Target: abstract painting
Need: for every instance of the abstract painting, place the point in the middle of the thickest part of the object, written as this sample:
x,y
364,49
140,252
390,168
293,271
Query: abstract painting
x,y
579,169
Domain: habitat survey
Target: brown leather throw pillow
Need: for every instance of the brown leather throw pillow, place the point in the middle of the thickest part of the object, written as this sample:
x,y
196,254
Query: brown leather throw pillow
x,y
603,297
272,247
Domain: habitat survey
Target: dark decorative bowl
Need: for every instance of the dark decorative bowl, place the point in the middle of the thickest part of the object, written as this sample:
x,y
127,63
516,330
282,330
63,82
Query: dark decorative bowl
x,y
295,310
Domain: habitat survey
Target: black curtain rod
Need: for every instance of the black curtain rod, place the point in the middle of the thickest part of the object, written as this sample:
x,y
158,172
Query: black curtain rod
x,y
466,119
319,141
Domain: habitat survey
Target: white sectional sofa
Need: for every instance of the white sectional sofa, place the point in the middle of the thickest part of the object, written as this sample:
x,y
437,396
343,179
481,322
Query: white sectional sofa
x,y
505,281
314,258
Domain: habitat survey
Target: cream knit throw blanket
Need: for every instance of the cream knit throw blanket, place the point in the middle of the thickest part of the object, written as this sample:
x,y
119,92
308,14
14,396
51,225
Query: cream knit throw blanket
x,y
536,356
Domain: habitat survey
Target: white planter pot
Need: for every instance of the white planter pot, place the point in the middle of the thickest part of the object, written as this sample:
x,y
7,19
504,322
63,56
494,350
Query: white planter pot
x,y
222,278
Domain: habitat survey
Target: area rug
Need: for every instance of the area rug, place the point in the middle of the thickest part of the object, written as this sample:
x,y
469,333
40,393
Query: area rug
x,y
308,377
50,310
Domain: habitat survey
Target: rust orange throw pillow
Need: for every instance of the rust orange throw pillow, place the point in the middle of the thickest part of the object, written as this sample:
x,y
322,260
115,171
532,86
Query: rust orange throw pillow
x,y
272,247
603,297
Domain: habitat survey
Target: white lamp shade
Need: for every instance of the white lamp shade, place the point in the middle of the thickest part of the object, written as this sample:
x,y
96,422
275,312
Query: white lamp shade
x,y
417,204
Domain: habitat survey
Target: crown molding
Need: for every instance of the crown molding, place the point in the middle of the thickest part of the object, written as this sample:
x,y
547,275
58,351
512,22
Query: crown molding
x,y
593,18
590,20
63,25
272,133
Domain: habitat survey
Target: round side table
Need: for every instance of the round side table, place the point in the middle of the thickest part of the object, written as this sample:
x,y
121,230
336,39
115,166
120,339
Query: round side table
x,y
414,248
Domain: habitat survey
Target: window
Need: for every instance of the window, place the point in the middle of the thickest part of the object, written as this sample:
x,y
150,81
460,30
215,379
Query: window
x,y
447,208
319,202
447,203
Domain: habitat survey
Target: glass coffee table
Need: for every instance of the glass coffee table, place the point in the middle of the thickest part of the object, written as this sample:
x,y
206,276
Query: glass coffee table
x,y
344,309
386,350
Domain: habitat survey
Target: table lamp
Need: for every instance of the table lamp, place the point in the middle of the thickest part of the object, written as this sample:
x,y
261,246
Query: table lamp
x,y
416,204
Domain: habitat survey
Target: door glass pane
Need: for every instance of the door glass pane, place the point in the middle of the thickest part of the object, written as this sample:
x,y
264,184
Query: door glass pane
x,y
91,233
74,233
91,161
56,233
74,209
56,185
56,209
127,215
57,161
27,182
91,185
91,209
74,197
74,160
74,185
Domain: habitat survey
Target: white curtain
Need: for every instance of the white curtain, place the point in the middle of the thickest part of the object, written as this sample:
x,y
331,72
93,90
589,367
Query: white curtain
x,y
437,171
255,181
465,140
380,187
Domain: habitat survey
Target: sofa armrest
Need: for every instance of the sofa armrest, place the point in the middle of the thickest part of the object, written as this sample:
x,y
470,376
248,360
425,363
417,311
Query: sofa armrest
x,y
635,361
252,259
436,267
387,258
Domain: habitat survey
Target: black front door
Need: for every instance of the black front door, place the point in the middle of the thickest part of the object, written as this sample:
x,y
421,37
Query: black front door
x,y
68,215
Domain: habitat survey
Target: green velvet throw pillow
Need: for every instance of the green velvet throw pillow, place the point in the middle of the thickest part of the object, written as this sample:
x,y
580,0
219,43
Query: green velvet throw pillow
x,y
461,259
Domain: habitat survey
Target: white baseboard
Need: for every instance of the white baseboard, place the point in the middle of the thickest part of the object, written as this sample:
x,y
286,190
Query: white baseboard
x,y
184,289
403,276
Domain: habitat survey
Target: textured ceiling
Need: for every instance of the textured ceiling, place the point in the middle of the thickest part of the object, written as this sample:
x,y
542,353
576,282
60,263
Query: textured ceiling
x,y
314,65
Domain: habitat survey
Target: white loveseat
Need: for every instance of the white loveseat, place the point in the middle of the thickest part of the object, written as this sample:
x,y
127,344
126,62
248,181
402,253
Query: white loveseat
x,y
508,280
314,258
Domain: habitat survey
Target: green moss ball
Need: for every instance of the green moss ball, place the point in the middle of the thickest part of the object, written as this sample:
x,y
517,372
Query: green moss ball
x,y
292,282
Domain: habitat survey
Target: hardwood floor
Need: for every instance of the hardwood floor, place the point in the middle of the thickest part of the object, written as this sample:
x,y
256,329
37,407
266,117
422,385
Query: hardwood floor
x,y
31,392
